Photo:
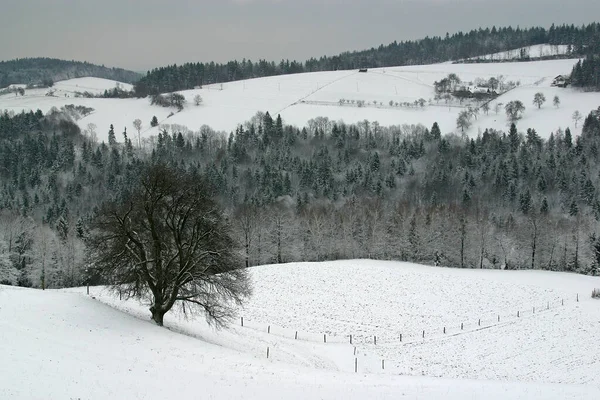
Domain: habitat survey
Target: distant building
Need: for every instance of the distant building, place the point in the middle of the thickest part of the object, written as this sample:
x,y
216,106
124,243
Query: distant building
x,y
560,81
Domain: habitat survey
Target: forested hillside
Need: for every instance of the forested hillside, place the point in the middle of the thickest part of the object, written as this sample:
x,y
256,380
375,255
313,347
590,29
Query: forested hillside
x,y
584,40
45,71
586,73
321,192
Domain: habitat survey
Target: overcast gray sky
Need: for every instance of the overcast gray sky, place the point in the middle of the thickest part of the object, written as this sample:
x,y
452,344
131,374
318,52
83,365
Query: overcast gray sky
x,y
141,34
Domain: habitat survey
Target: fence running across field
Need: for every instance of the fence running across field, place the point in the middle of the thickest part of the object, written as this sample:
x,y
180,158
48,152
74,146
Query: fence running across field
x,y
470,325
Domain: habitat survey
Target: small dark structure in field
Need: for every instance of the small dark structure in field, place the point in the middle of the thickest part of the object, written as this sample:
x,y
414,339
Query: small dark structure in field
x,y
561,81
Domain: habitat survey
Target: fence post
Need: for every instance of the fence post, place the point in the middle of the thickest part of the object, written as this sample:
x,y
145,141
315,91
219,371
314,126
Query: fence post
x,y
563,302
354,350
350,339
374,339
356,365
242,320
400,337
462,326
423,334
267,352
324,338
518,314
548,305
296,336
269,329
382,364
444,329
479,322
534,310
498,317
578,297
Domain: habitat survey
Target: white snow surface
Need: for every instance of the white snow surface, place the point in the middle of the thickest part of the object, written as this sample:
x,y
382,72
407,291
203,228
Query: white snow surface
x,y
62,344
538,50
301,97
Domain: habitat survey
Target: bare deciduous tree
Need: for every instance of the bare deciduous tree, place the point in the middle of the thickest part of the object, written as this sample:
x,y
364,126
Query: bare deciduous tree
x,y
246,218
514,110
170,240
91,130
577,117
486,108
137,124
463,121
539,99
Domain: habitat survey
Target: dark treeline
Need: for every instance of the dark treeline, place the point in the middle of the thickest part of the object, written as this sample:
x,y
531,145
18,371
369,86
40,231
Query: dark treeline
x,y
45,71
586,73
326,191
584,40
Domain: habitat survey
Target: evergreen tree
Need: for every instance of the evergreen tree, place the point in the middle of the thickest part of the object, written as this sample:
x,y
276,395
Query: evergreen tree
x,y
436,133
112,140
513,137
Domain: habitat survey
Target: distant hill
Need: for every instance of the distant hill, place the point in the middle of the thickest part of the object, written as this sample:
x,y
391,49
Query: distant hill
x,y
45,70
575,41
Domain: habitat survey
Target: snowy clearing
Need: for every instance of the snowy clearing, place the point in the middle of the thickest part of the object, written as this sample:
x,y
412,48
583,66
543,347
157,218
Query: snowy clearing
x,y
535,51
99,347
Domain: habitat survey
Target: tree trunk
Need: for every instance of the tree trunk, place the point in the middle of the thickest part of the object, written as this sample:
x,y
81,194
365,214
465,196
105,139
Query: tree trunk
x,y
533,242
247,255
157,315
482,247
576,257
463,237
279,259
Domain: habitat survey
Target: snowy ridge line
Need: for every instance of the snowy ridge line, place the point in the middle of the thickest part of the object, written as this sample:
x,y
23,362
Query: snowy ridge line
x,y
470,325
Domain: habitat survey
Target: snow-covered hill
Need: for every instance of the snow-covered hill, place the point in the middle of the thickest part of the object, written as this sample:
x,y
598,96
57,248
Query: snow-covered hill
x,y
301,97
535,51
64,344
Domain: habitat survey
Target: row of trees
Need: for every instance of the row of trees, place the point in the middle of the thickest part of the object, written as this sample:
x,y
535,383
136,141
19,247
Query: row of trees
x,y
586,73
514,111
425,51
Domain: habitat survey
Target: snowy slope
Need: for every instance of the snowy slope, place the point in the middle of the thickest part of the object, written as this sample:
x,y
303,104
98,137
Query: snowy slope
x,y
301,97
385,299
535,51
69,87
63,344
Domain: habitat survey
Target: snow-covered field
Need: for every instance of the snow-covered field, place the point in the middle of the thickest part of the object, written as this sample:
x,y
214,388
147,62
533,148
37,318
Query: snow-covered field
x,y
301,97
64,344
535,51
542,326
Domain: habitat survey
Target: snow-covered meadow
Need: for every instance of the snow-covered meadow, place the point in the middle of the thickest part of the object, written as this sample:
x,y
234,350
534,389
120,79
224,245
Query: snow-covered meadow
x,y
64,344
542,326
301,97
535,51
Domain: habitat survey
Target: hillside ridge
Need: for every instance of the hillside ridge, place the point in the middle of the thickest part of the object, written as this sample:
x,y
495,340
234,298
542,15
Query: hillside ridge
x,y
41,71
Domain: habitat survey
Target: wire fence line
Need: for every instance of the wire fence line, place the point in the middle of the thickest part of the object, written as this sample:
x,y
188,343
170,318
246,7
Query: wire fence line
x,y
458,327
